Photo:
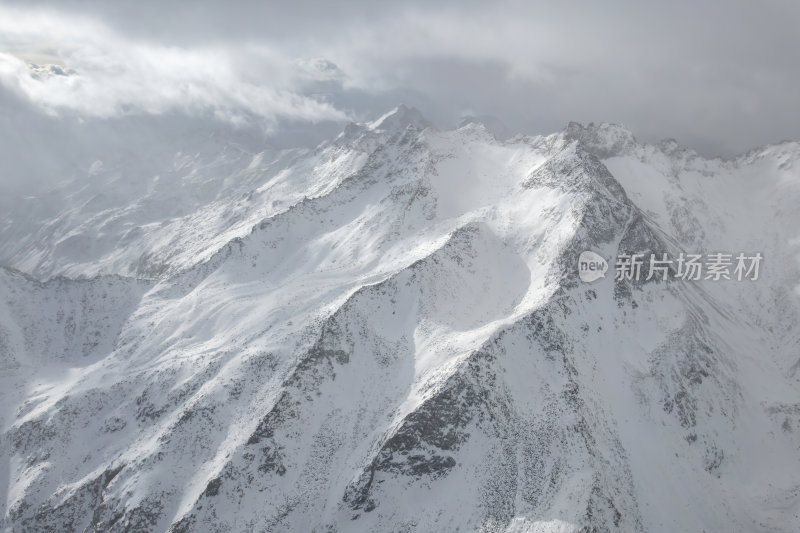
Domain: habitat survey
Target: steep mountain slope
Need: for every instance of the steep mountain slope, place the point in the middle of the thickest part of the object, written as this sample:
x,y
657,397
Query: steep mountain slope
x,y
388,333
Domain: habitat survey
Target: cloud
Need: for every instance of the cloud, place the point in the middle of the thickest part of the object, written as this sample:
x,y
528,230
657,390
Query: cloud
x,y
719,76
100,73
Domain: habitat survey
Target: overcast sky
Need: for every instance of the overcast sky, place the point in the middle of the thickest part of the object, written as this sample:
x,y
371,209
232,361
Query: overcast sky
x,y
719,76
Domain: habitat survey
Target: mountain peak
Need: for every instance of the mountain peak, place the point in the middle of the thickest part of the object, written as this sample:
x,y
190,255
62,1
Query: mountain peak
x,y
400,118
603,140
492,124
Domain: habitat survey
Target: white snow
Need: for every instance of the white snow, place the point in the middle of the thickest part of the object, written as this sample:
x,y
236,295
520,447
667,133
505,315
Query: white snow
x,y
358,297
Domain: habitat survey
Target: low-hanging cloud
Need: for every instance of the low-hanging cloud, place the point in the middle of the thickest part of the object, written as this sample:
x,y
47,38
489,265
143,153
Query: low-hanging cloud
x,y
99,73
719,76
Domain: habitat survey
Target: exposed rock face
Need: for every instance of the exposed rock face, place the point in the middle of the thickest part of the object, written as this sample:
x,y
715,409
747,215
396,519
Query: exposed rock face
x,y
388,333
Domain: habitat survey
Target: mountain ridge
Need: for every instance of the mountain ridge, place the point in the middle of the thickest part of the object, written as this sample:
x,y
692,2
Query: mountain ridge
x,y
403,343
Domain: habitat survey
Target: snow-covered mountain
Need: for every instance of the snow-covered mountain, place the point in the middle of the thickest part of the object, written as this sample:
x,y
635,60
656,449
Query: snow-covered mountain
x,y
388,333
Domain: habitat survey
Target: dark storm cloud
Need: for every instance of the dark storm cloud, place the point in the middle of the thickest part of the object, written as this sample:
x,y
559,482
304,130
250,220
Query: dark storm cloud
x,y
718,76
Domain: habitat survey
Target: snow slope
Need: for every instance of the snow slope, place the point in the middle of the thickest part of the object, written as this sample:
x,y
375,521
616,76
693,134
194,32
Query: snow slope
x,y
388,333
